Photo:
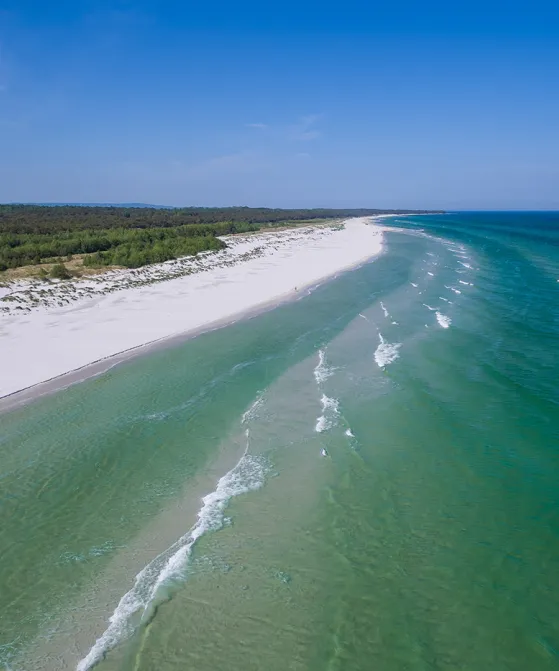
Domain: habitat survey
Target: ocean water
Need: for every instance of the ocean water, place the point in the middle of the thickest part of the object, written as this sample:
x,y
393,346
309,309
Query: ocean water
x,y
366,478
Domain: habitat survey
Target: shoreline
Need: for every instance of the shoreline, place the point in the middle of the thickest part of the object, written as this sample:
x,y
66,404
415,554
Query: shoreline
x,y
270,268
21,397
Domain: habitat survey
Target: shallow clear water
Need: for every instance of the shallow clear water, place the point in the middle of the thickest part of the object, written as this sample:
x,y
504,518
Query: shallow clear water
x,y
382,462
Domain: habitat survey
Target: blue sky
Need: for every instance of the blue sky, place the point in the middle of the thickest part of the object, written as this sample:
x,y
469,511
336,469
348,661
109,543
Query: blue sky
x,y
404,104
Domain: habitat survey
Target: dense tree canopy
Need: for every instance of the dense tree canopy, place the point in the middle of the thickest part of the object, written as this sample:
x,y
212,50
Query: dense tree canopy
x,y
114,246
131,236
49,219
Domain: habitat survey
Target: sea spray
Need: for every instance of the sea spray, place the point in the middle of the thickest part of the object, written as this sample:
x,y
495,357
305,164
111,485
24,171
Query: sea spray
x,y
386,352
330,412
443,320
386,314
248,475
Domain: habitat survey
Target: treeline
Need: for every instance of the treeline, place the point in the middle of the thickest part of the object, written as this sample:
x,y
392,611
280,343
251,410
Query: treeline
x,y
131,248
52,219
142,252
133,236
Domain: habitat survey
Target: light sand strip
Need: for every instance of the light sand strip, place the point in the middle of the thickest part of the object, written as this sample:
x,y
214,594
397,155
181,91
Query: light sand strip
x,y
99,319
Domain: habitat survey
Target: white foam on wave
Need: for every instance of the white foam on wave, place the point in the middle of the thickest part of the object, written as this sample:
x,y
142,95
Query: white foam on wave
x,y
443,320
415,285
445,299
322,371
138,604
466,265
463,282
157,416
330,412
456,291
365,318
429,307
386,314
386,352
252,412
430,273
349,433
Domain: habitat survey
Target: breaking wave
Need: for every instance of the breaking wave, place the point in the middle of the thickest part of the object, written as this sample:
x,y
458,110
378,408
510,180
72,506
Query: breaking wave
x,y
252,412
386,352
329,416
322,371
443,320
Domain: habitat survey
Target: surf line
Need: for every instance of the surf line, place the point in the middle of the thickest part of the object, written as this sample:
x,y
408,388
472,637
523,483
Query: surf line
x,y
249,474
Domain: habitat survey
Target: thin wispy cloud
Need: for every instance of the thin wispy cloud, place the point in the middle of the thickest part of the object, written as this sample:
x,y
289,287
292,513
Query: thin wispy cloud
x,y
305,129
302,130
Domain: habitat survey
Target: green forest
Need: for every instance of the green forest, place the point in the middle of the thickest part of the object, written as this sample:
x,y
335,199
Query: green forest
x,y
132,236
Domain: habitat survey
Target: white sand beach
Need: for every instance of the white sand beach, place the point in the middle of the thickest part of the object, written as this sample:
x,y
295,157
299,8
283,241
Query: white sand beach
x,y
48,329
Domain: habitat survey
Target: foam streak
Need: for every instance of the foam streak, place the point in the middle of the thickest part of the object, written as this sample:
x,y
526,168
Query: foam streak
x,y
248,475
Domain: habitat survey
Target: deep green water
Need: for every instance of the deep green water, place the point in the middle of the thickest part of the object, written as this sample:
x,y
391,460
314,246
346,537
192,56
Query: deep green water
x,y
381,459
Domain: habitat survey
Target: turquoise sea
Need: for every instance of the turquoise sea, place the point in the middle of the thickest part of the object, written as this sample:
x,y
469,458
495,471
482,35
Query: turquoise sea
x,y
365,478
